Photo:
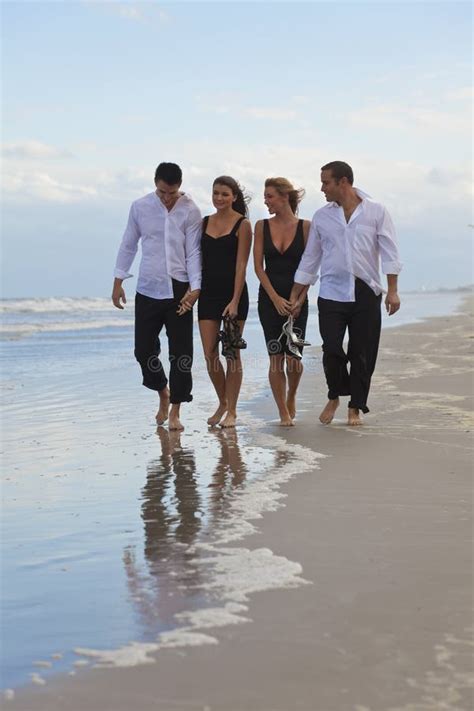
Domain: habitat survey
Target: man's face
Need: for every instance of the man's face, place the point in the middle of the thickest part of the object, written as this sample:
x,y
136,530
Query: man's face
x,y
168,194
330,186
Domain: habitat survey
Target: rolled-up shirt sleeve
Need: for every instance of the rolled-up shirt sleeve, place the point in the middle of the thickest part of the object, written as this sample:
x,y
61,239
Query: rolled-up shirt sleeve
x,y
388,246
128,247
193,248
307,272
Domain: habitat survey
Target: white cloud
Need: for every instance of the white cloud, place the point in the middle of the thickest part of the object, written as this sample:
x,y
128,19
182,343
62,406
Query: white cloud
x,y
418,77
269,113
388,116
33,150
221,109
409,188
464,92
22,187
300,99
129,12
227,102
122,184
134,12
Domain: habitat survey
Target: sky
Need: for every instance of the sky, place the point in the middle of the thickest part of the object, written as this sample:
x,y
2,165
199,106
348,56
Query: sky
x,y
96,94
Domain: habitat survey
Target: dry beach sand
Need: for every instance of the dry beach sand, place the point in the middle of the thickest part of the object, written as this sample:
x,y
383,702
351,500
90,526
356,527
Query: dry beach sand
x,y
382,530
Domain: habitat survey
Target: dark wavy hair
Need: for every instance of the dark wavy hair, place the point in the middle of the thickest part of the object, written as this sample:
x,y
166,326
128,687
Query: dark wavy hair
x,y
284,187
339,170
242,200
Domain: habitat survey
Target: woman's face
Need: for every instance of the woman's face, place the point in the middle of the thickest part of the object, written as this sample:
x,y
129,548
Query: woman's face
x,y
274,201
222,196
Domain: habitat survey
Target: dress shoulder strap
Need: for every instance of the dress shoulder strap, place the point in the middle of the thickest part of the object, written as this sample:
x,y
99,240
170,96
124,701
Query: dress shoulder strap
x,y
268,246
266,232
300,233
204,223
237,225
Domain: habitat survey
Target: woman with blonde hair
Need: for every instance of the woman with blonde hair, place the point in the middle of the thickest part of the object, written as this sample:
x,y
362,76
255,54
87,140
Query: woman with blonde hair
x,y
278,247
225,246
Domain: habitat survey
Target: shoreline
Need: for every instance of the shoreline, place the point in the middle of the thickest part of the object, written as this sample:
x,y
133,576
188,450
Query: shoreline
x,y
56,317
381,530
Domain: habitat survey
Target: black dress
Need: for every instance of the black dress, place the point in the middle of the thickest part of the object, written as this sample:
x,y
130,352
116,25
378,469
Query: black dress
x,y
280,268
219,259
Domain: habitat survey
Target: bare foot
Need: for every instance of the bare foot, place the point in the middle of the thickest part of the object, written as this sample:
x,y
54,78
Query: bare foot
x,y
291,405
353,417
175,424
285,419
327,415
218,415
229,420
174,421
162,414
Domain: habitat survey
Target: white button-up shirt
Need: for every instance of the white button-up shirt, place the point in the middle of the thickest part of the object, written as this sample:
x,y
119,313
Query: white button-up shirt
x,y
171,245
342,250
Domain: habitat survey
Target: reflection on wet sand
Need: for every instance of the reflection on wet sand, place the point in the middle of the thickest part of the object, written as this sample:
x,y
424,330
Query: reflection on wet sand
x,y
172,518
229,473
175,510
171,502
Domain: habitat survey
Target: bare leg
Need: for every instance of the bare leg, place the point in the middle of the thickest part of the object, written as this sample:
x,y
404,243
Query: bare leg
x,y
174,421
162,414
277,378
353,417
209,331
233,381
327,415
232,388
294,371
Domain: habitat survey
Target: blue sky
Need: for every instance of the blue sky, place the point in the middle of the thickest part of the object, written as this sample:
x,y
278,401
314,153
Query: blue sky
x,y
96,94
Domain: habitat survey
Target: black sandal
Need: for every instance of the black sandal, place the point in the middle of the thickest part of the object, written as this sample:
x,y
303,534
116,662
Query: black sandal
x,y
231,338
235,335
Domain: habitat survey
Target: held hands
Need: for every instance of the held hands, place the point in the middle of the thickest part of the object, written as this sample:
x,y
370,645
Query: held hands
x,y
392,302
283,306
231,309
188,301
295,308
118,296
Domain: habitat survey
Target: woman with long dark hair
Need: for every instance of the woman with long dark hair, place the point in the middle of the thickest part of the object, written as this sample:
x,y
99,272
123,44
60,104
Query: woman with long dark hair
x,y
225,246
278,247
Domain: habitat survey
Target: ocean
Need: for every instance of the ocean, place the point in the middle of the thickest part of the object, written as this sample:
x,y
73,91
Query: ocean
x,y
118,538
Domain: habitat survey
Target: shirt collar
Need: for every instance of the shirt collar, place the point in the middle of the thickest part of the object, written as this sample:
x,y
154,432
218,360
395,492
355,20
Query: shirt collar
x,y
363,196
183,197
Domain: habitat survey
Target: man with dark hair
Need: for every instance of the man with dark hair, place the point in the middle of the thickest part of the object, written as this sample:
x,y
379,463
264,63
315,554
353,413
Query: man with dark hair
x,y
168,224
340,170
348,238
170,173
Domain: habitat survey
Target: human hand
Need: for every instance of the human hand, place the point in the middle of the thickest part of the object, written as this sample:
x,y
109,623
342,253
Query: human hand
x,y
187,302
283,306
118,296
392,302
295,308
230,309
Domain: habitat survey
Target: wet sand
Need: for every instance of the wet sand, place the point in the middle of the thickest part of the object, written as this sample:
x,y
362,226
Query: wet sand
x,y
382,530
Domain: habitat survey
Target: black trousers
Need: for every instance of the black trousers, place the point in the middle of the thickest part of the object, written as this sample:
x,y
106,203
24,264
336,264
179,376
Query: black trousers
x,y
363,320
150,317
